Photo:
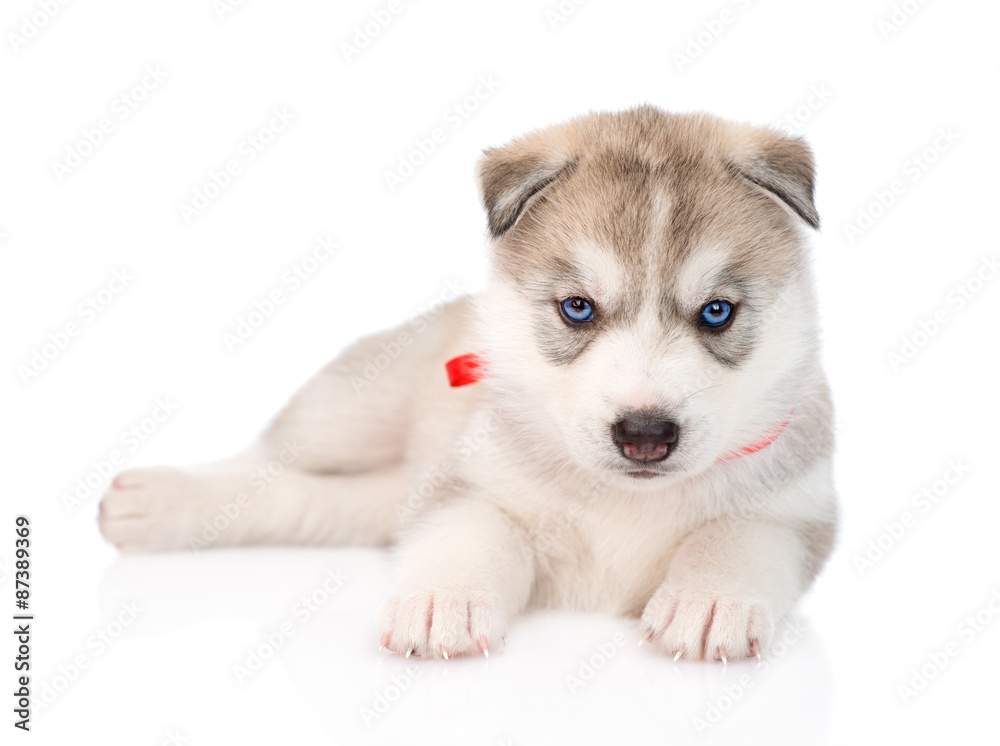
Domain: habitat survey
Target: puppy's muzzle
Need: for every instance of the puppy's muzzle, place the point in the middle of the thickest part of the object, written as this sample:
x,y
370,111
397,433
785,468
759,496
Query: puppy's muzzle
x,y
645,437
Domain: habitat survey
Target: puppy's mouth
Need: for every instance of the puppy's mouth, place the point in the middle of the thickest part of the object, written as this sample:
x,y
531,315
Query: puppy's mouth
x,y
644,474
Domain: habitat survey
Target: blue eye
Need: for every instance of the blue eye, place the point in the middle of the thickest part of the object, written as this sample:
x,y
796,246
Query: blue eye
x,y
577,310
716,313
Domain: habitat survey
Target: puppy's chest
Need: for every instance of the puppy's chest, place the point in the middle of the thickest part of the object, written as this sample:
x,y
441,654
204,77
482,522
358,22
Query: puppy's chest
x,y
602,555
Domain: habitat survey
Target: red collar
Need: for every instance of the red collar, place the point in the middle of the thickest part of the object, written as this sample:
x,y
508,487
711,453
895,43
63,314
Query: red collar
x,y
470,368
760,444
465,369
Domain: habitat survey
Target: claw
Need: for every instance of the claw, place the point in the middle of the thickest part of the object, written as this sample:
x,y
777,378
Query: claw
x,y
678,654
408,651
755,649
381,648
444,653
486,652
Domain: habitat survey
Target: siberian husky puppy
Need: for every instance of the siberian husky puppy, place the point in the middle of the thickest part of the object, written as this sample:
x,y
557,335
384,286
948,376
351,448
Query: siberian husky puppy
x,y
633,418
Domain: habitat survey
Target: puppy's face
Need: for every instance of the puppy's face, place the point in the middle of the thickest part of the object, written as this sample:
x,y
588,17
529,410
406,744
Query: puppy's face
x,y
649,294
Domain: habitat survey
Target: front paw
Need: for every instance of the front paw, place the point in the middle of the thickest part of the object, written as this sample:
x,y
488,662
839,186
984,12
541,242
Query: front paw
x,y
441,623
701,625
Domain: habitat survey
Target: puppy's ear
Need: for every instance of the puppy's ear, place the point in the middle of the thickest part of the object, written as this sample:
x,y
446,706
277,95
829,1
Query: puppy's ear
x,y
783,166
511,178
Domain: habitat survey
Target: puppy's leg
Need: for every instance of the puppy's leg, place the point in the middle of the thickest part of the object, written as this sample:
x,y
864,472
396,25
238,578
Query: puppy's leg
x,y
465,572
344,423
727,586
216,506
358,413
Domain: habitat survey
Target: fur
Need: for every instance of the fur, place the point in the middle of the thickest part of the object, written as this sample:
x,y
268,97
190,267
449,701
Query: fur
x,y
511,492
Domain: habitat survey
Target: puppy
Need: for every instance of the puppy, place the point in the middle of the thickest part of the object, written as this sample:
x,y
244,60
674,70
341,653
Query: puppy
x,y
632,419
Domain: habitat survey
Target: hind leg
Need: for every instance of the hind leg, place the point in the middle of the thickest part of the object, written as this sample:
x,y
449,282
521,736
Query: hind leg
x,y
358,413
266,503
328,470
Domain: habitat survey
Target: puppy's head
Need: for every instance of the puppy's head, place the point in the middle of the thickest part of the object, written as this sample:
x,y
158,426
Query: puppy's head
x,y
650,306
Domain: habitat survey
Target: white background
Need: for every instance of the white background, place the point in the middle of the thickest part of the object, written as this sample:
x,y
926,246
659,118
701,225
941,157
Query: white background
x,y
871,85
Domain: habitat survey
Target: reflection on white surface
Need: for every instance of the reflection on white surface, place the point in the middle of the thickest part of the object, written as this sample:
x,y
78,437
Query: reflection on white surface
x,y
237,644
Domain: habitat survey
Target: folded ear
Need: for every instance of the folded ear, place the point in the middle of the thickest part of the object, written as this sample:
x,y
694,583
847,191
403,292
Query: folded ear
x,y
781,165
511,178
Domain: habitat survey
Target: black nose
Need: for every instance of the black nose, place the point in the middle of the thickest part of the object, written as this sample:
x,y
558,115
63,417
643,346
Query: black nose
x,y
645,436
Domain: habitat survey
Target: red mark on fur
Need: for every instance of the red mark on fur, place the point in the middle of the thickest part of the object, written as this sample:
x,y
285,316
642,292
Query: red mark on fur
x,y
759,445
465,369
